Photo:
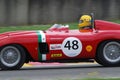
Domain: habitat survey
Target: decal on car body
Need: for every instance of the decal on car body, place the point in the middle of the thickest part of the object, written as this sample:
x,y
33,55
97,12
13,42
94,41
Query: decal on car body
x,y
71,46
41,39
55,46
89,48
56,55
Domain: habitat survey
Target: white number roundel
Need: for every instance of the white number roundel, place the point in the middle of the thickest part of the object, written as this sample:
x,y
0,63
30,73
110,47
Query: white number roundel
x,y
71,46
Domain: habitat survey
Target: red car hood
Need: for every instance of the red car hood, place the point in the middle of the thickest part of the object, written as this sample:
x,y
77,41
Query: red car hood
x,y
16,33
105,25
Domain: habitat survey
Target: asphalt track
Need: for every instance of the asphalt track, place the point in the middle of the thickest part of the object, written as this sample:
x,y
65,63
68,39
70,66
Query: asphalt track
x,y
56,71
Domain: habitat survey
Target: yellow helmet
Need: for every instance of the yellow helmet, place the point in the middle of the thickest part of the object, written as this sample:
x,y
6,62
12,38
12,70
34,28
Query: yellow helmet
x,y
86,18
85,21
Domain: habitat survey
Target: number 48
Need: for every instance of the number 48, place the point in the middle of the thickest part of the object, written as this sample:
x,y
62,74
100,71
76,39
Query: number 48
x,y
71,45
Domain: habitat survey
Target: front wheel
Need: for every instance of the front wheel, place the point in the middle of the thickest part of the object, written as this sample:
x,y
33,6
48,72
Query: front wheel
x,y
108,53
12,57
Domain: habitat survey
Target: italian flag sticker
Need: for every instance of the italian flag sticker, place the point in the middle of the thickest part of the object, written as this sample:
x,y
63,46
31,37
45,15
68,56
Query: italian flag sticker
x,y
41,39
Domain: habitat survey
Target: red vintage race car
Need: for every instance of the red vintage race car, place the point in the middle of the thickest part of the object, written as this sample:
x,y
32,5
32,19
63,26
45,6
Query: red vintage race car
x,y
101,42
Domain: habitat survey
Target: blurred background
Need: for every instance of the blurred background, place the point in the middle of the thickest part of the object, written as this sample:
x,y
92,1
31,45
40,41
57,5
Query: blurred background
x,y
35,12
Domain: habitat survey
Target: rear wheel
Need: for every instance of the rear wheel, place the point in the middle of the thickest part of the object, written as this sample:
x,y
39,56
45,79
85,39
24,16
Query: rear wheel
x,y
12,57
108,53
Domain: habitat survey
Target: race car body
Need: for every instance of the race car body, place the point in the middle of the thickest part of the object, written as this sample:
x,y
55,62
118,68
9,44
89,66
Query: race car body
x,y
101,43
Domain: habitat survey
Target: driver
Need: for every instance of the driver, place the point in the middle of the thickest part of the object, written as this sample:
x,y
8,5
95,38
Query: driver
x,y
85,22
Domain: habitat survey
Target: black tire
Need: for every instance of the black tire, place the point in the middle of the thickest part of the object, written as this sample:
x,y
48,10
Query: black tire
x,y
12,57
108,53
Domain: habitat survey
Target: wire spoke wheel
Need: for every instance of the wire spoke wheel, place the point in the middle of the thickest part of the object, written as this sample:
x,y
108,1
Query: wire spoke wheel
x,y
12,57
111,51
108,53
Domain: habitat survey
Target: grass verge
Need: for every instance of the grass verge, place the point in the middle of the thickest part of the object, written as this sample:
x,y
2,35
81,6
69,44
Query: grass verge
x,y
40,27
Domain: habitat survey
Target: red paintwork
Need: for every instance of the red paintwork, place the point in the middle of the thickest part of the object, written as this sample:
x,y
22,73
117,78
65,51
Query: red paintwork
x,y
105,25
29,39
